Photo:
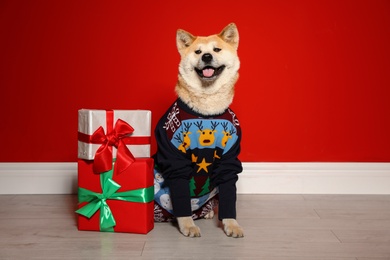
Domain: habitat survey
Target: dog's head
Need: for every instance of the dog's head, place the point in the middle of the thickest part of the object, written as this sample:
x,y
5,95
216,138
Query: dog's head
x,y
208,63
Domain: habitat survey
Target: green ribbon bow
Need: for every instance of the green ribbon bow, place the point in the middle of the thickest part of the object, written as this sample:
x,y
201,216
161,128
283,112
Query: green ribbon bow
x,y
97,201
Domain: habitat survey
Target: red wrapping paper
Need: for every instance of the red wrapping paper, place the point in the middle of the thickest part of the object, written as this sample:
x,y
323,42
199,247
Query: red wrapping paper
x,y
130,217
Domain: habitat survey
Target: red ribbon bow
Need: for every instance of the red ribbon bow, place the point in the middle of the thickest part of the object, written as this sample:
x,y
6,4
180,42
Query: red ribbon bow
x,y
103,156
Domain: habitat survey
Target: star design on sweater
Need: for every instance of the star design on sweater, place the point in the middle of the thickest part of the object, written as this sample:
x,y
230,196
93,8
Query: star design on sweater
x,y
203,165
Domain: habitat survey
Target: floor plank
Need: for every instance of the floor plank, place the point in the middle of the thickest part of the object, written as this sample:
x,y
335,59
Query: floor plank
x,y
277,227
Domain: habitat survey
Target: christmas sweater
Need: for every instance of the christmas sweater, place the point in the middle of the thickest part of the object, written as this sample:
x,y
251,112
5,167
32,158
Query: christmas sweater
x,y
196,159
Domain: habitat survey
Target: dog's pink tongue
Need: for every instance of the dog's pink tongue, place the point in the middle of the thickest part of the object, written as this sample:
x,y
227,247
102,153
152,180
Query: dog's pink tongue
x,y
208,73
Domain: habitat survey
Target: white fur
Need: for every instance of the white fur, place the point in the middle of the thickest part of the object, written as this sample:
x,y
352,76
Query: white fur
x,y
187,227
232,228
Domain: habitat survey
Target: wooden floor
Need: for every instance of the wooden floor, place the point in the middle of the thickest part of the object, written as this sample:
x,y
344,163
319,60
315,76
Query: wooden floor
x,y
277,227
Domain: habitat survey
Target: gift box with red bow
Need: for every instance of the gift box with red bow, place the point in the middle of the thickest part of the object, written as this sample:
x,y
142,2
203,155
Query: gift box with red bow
x,y
115,173
130,127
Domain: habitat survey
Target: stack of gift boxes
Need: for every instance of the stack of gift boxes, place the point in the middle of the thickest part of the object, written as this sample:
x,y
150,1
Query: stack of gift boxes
x,y
115,171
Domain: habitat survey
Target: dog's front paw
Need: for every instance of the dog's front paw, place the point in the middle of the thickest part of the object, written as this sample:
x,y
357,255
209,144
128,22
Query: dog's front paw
x,y
187,227
232,228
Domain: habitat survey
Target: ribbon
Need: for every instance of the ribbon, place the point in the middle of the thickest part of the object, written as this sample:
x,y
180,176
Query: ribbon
x,y
103,156
98,201
129,140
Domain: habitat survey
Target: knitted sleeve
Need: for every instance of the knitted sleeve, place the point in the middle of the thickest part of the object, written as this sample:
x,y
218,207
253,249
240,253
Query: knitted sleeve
x,y
175,168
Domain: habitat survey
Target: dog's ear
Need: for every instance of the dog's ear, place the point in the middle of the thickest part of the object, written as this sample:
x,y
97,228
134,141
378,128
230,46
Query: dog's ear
x,y
230,35
184,39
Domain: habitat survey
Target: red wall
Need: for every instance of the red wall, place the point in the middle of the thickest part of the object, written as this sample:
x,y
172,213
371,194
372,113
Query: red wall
x,y
314,82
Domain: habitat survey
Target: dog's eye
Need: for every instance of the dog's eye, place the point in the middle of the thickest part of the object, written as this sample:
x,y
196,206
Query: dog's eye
x,y
217,49
198,51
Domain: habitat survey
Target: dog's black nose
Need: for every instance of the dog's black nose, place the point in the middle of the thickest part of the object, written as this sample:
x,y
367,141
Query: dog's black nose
x,y
207,57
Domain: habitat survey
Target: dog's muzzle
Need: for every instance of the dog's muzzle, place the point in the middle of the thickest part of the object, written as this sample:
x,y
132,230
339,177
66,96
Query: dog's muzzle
x,y
209,72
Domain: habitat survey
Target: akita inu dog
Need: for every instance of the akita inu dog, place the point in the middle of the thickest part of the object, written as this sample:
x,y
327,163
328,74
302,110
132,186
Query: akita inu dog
x,y
199,136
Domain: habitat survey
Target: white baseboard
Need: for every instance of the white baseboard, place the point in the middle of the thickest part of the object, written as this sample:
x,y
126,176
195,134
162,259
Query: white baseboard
x,y
315,178
38,178
257,178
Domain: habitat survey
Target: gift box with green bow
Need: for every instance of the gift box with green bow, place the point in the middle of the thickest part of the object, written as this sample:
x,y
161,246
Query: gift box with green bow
x,y
116,201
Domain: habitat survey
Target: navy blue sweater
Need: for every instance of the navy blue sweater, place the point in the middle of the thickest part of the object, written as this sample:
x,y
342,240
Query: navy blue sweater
x,y
196,154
